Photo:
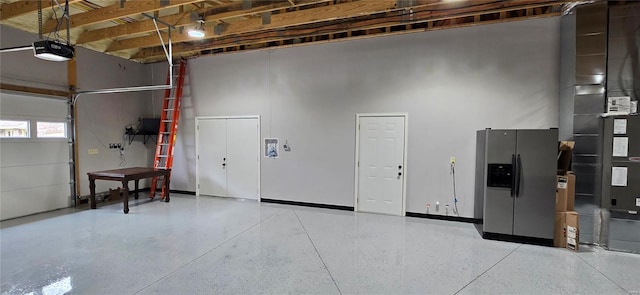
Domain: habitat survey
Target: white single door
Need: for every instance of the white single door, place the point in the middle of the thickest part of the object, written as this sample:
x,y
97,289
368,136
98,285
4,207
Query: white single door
x,y
212,154
381,164
243,152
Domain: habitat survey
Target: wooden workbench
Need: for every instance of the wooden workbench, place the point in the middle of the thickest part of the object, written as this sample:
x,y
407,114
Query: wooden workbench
x,y
125,175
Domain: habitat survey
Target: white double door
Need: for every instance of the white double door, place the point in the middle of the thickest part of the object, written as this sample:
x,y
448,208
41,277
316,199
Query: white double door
x,y
228,157
381,164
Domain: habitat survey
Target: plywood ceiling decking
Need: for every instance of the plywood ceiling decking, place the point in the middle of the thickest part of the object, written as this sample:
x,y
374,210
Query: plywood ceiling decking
x,y
120,28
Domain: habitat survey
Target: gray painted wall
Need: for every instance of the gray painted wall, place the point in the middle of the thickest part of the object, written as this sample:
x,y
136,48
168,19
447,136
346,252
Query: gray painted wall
x,y
451,83
102,118
22,68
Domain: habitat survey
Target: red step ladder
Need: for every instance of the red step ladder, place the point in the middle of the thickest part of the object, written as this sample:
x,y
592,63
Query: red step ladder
x,y
168,127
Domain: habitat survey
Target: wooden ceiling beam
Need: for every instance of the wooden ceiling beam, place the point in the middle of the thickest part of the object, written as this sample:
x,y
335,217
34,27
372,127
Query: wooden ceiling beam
x,y
34,90
282,20
113,12
179,20
332,12
143,26
22,7
428,17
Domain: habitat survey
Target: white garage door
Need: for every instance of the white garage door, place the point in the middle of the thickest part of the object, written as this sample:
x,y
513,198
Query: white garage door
x,y
34,155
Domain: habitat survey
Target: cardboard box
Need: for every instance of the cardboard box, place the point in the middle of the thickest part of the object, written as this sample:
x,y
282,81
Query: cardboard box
x,y
565,192
572,222
114,194
559,235
566,233
565,152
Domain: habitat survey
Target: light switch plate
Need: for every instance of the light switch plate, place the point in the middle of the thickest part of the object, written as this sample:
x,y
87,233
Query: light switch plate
x,y
92,151
637,202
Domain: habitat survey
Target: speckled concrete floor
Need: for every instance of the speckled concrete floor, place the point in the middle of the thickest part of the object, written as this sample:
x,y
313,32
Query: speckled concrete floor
x,y
220,246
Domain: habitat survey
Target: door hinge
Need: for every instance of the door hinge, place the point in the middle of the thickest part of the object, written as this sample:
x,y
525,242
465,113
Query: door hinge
x,y
197,127
198,185
198,157
358,164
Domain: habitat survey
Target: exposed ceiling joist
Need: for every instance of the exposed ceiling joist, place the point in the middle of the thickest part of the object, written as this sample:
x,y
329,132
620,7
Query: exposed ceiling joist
x,y
153,40
424,20
117,27
22,7
113,12
296,18
144,26
180,19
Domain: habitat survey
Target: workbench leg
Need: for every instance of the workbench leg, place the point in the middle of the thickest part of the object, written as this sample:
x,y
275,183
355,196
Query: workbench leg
x,y
136,193
92,189
125,196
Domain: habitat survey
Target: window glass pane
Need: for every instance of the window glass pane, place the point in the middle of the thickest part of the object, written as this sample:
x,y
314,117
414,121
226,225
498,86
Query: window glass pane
x,y
52,129
14,129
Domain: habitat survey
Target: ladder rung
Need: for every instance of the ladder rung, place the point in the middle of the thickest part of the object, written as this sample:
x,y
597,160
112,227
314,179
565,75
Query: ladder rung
x,y
170,117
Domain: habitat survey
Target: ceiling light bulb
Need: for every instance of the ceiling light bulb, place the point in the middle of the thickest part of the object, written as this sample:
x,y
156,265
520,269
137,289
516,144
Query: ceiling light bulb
x,y
196,33
52,57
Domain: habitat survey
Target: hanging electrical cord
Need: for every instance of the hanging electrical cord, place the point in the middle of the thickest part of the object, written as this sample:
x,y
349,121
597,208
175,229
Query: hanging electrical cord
x,y
123,159
39,19
455,197
66,14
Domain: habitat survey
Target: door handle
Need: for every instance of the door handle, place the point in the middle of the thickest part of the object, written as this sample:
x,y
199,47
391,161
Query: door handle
x,y
224,164
399,173
399,167
513,175
518,172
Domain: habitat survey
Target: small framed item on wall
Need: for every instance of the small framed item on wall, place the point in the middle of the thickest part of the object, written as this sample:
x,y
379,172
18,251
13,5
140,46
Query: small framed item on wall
x,y
271,148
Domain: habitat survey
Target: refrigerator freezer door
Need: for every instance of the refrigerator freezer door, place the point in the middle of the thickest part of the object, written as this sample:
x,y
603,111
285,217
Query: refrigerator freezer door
x,y
535,202
498,203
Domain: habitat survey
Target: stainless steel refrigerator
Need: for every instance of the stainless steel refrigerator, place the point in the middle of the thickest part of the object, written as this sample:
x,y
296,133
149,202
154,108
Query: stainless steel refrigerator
x,y
515,183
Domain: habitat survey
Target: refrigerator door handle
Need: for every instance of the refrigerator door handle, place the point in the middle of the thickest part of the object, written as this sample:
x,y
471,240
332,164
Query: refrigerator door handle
x,y
513,175
518,175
